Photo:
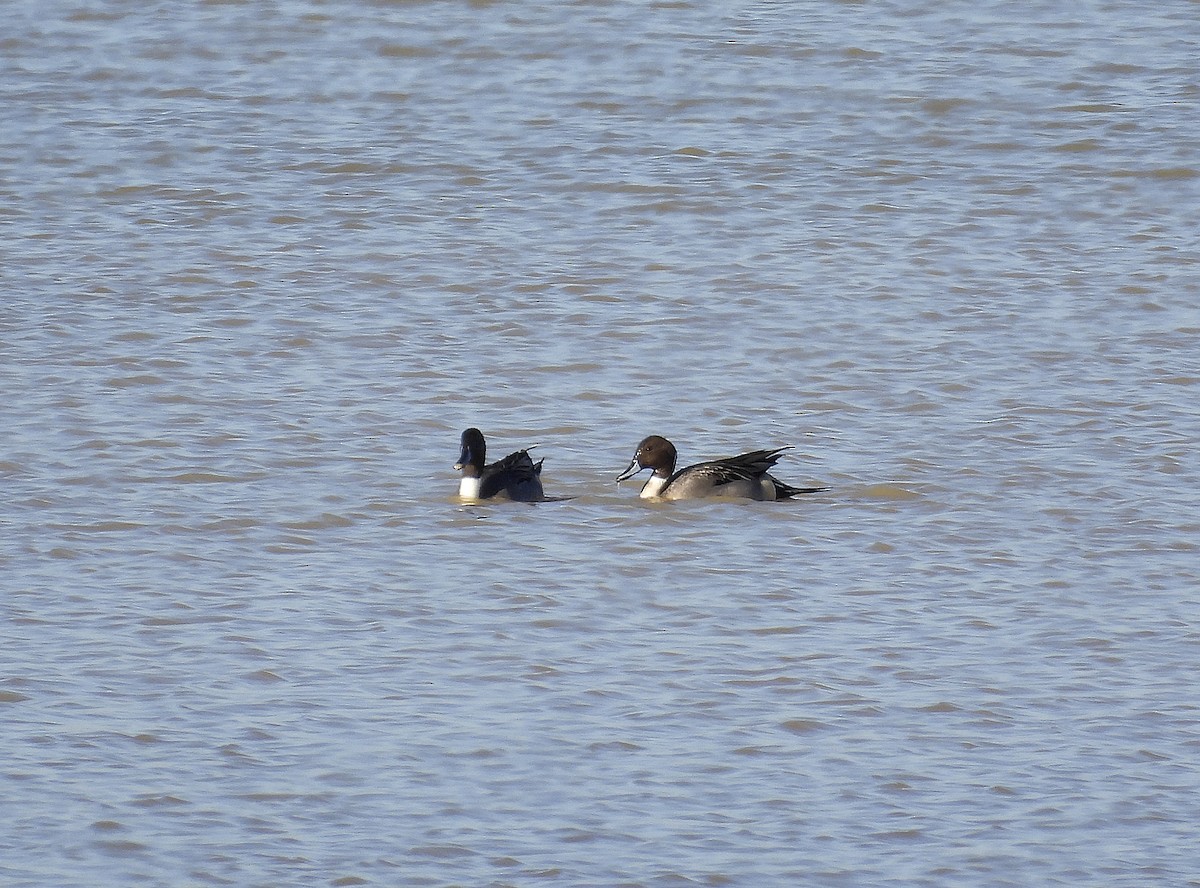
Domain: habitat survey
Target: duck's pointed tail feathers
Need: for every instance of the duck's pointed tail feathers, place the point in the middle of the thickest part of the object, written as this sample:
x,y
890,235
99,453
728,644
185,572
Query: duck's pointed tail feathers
x,y
786,491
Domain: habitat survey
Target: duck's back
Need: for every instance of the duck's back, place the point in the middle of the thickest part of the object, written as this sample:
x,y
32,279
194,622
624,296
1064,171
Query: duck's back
x,y
515,477
732,477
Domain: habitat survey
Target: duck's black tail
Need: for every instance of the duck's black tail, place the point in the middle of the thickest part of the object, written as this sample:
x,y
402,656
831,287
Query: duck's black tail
x,y
786,491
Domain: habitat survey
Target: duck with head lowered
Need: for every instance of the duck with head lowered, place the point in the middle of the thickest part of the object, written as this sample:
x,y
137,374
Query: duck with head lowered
x,y
516,477
745,476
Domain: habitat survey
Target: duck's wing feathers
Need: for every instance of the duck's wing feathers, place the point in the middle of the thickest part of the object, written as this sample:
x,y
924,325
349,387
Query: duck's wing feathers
x,y
744,467
517,476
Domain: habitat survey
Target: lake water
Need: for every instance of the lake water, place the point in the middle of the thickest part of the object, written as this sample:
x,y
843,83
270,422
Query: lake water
x,y
263,261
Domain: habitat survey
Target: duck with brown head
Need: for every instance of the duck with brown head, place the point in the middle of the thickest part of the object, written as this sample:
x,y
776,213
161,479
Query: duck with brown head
x,y
745,476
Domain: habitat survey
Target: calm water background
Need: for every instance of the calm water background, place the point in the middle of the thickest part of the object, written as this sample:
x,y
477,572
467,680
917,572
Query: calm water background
x,y
263,261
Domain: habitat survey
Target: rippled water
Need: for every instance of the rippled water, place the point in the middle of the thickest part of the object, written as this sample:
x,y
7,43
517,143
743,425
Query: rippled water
x,y
262,262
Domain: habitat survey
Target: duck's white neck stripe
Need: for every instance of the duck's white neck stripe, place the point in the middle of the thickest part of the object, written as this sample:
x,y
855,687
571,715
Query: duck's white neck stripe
x,y
653,487
468,488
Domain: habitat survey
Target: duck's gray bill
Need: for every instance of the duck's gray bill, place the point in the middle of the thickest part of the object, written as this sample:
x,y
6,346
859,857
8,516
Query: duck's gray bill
x,y
630,471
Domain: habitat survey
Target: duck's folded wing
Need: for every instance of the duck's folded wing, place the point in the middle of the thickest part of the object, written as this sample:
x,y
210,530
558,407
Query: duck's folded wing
x,y
746,467
516,472
754,464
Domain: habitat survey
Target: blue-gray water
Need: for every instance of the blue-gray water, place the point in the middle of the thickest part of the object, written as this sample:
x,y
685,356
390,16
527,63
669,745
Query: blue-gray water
x,y
263,261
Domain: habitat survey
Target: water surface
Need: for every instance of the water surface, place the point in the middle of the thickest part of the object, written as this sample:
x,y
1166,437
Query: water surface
x,y
263,262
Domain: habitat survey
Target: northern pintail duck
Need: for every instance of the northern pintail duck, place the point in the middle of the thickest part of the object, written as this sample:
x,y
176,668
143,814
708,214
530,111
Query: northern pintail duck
x,y
516,477
738,476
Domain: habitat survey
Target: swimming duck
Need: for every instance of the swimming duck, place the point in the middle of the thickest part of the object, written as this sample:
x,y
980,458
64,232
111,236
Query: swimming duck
x,y
516,477
737,476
